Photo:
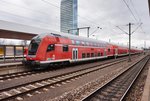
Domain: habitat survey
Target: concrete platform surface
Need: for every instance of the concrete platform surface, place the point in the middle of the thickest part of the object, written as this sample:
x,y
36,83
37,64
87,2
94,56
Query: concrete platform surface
x,y
10,64
146,93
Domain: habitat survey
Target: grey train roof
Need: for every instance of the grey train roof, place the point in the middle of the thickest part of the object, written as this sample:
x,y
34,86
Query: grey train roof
x,y
74,37
80,38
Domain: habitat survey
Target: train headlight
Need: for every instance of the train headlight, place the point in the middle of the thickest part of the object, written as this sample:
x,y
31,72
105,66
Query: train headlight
x,y
53,57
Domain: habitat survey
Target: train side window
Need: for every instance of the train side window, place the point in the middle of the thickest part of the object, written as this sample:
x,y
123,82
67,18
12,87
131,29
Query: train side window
x,y
88,55
50,47
99,54
83,55
83,43
95,54
87,43
65,48
92,54
109,50
77,42
73,42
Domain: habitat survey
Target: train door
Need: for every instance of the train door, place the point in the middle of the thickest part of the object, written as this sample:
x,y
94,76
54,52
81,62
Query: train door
x,y
116,51
75,53
105,52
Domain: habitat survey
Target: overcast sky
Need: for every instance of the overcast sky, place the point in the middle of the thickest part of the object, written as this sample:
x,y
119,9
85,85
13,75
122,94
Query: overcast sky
x,y
106,14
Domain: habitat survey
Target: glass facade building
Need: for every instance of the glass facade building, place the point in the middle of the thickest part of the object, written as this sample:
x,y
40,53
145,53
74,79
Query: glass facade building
x,y
68,16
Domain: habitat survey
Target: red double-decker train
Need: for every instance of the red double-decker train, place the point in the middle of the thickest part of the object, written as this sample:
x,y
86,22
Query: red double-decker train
x,y
56,48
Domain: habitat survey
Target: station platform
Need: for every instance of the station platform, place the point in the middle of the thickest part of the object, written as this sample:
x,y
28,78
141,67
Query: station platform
x,y
10,64
15,67
11,59
146,93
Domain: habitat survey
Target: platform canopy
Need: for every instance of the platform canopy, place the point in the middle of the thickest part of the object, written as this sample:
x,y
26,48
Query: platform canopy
x,y
11,30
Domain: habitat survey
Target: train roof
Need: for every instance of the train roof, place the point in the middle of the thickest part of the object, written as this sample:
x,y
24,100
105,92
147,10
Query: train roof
x,y
78,38
72,37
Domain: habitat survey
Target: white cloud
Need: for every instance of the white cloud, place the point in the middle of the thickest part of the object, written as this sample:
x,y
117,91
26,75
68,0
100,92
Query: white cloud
x,y
103,13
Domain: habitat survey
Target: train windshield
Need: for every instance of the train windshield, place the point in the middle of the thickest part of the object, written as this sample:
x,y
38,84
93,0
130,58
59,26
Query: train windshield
x,y
33,47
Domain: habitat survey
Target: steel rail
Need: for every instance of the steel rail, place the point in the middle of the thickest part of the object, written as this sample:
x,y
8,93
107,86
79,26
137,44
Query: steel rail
x,y
134,80
55,80
19,74
89,96
11,76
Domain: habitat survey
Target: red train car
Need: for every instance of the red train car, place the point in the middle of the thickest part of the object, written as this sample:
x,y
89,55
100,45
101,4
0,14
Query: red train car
x,y
47,49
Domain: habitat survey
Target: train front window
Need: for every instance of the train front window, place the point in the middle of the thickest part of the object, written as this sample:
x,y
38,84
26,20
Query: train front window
x,y
33,47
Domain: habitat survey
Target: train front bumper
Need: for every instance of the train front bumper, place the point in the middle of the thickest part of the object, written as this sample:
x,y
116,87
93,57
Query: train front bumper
x,y
36,65
30,63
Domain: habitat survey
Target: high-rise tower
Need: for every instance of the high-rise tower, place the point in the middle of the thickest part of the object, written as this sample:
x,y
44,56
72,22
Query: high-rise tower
x,y
69,10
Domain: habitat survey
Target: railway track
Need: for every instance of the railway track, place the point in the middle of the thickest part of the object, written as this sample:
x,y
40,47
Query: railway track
x,y
20,91
28,73
17,75
117,88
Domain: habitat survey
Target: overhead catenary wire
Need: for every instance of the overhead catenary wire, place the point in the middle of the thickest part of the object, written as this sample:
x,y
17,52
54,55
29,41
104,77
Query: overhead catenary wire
x,y
51,4
83,18
122,30
45,1
136,28
56,6
130,10
95,30
23,7
133,13
44,12
23,17
137,15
